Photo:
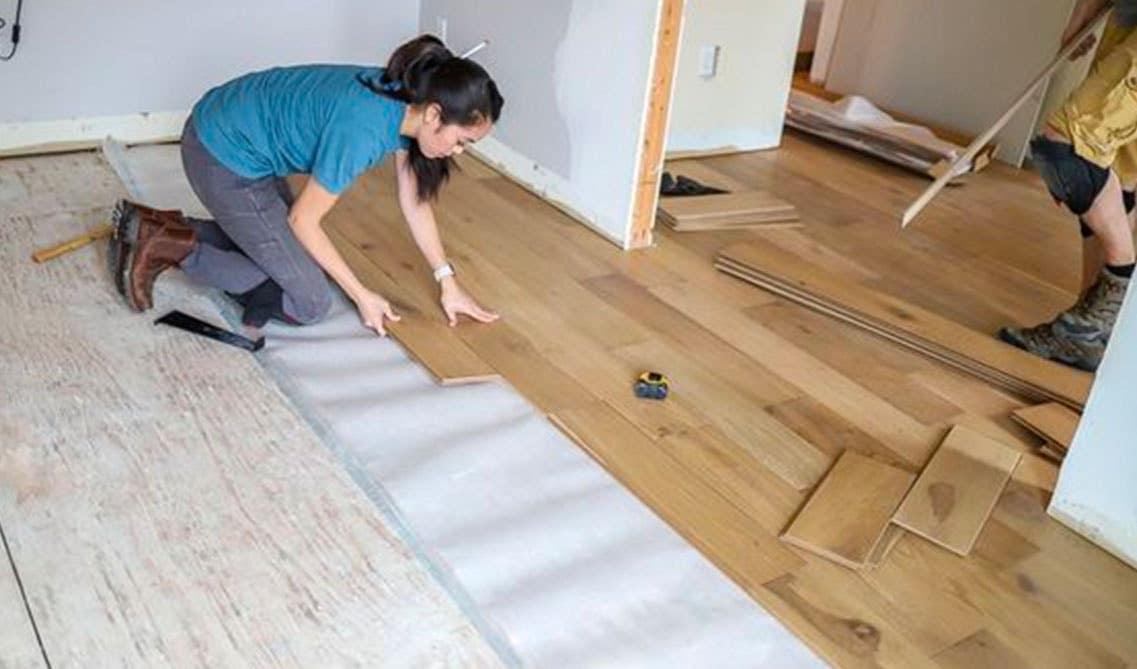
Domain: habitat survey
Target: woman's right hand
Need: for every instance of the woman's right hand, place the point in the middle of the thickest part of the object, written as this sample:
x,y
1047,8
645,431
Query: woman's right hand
x,y
374,309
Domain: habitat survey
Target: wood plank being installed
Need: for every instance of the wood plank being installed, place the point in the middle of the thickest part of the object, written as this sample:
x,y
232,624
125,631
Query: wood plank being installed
x,y
422,330
907,324
727,210
1053,422
954,495
846,517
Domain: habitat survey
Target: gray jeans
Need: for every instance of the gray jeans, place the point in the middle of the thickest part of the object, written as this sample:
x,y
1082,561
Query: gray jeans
x,y
249,241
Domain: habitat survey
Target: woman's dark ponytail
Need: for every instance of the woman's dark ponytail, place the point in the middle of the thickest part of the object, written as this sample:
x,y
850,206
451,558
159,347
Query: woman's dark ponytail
x,y
422,72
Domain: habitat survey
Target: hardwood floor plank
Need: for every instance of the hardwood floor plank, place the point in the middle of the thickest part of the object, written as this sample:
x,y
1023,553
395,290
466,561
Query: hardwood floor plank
x,y
846,516
982,650
1053,422
914,324
957,490
424,334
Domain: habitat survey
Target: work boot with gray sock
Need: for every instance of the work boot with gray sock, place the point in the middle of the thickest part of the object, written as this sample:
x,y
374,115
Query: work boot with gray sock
x,y
145,243
1078,336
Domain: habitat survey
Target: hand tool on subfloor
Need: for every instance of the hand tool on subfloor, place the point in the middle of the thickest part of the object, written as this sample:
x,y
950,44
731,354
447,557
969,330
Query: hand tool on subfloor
x,y
92,235
652,386
184,321
916,207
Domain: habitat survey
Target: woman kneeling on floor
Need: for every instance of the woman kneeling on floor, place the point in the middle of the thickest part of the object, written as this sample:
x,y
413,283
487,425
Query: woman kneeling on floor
x,y
333,123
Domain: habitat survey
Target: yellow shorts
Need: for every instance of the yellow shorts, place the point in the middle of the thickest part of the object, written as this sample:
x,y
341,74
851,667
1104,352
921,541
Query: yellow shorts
x,y
1100,116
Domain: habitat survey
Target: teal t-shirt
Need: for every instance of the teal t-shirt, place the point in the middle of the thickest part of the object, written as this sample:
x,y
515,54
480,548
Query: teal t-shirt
x,y
309,119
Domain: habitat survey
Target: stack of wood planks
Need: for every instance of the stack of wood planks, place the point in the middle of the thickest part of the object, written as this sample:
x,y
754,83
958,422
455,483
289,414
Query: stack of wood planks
x,y
862,507
932,335
1054,423
743,209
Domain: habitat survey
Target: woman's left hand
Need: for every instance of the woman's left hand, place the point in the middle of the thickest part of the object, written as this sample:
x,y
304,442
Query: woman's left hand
x,y
456,301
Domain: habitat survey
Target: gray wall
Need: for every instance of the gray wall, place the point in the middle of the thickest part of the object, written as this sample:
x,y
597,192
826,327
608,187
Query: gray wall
x,y
575,76
84,58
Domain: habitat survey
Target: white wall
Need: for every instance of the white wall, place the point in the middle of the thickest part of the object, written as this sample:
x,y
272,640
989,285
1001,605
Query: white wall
x,y
1097,489
957,63
743,106
575,77
82,59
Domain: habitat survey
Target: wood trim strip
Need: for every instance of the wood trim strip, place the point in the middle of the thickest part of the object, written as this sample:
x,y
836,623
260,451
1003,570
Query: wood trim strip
x,y
655,128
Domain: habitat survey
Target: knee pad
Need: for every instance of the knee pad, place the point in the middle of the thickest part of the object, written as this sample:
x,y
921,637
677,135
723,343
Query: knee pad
x,y
1070,178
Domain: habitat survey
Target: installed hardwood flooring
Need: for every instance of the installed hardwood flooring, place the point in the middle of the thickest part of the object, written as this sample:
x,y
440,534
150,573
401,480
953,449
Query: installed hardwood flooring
x,y
766,395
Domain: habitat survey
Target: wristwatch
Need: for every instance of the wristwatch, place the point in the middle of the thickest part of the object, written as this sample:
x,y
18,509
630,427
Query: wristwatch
x,y
442,271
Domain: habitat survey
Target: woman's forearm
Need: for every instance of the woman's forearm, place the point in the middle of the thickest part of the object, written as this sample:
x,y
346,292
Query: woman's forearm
x,y
317,243
424,230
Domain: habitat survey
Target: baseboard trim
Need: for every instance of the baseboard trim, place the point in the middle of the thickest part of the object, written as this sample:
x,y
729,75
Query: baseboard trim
x,y
38,137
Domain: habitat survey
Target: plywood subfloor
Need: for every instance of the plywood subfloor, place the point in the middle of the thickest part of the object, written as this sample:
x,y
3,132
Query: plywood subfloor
x,y
164,503
581,319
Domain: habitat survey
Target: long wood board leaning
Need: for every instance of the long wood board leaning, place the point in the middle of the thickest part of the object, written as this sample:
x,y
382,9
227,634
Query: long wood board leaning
x,y
958,489
847,517
906,324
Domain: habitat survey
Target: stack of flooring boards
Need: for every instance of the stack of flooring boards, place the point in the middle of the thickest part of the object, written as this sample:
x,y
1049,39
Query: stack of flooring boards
x,y
862,507
1054,423
934,336
744,209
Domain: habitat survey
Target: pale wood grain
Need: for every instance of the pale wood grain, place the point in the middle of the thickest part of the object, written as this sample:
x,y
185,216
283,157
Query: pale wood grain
x,y
904,323
1053,422
727,210
982,650
846,516
957,490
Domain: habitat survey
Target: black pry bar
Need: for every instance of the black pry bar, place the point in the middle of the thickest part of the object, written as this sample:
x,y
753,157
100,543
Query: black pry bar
x,y
184,321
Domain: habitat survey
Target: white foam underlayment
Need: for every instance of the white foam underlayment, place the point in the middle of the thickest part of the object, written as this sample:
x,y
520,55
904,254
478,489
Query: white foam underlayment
x,y
552,556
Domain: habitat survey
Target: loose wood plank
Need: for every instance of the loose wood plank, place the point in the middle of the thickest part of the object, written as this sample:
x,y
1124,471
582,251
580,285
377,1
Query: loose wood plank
x,y
846,517
1051,421
957,490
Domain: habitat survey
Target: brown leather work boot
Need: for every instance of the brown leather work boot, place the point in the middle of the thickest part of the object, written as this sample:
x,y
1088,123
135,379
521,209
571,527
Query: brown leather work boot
x,y
145,243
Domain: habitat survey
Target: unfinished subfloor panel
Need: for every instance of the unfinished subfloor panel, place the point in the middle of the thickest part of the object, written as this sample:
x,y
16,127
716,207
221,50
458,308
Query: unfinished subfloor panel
x,y
164,503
